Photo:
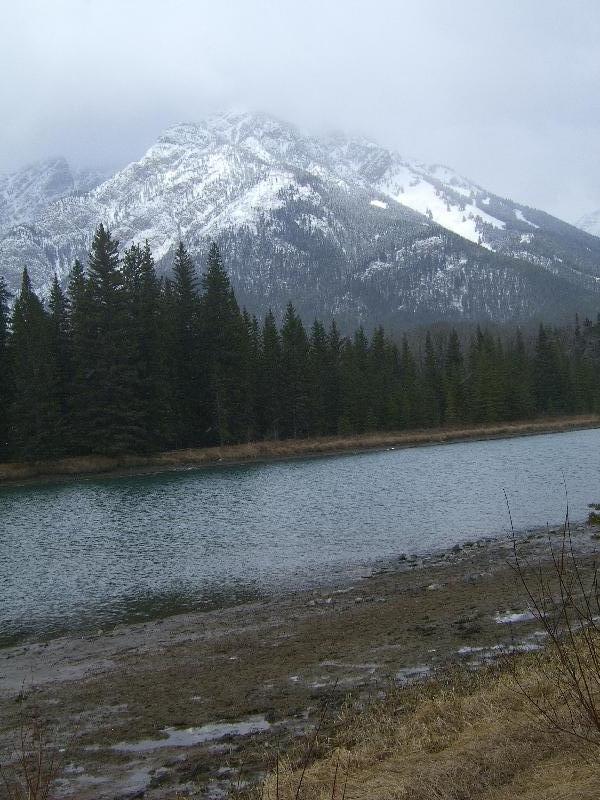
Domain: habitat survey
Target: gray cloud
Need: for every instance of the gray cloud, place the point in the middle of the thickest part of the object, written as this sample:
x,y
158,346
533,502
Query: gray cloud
x,y
506,92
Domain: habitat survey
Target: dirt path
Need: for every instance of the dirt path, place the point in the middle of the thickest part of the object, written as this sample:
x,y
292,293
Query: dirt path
x,y
230,683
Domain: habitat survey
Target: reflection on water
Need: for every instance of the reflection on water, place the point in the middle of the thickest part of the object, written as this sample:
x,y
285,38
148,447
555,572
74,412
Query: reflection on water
x,y
97,551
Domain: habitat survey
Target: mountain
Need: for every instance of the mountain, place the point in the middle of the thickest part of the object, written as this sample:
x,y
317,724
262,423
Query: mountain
x,y
338,225
590,223
25,194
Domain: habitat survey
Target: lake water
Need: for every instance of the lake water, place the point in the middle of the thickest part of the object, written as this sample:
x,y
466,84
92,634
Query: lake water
x,y
97,551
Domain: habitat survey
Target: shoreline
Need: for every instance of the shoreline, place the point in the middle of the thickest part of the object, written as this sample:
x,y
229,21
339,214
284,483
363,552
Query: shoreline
x,y
267,663
15,474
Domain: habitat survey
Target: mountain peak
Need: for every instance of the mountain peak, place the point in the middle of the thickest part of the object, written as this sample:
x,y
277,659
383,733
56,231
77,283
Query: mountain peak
x,y
336,224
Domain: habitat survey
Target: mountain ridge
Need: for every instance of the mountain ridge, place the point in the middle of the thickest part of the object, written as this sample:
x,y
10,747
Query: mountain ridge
x,y
340,226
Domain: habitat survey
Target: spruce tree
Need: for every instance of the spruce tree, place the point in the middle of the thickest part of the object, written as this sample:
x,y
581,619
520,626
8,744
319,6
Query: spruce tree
x,y
60,354
295,385
383,371
521,403
34,414
181,309
251,361
111,414
357,391
146,345
333,389
431,386
409,407
5,372
318,370
224,340
270,381
80,330
454,382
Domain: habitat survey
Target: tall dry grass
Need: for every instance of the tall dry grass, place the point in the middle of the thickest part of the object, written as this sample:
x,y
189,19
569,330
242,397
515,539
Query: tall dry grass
x,y
527,727
288,448
32,763
565,602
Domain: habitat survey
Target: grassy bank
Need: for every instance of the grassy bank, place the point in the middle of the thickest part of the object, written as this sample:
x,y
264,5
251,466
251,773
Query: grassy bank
x,y
274,450
464,736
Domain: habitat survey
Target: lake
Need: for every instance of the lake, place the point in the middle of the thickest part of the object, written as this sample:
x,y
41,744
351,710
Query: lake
x,y
93,552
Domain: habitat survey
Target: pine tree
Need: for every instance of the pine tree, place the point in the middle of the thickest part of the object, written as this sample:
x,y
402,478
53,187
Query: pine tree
x,y
60,354
111,416
224,341
181,306
251,361
409,407
383,374
318,369
552,383
34,414
333,388
146,345
270,381
80,331
454,382
521,404
431,386
356,410
5,373
295,386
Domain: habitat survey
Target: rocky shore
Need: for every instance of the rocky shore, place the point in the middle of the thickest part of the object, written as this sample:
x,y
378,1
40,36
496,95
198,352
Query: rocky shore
x,y
197,702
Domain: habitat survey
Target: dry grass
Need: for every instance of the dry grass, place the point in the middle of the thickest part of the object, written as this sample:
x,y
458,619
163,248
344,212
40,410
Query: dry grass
x,y
466,737
34,763
528,727
289,448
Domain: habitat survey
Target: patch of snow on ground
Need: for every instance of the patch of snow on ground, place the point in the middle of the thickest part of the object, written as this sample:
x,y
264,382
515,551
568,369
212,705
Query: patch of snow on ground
x,y
521,218
509,617
379,204
191,736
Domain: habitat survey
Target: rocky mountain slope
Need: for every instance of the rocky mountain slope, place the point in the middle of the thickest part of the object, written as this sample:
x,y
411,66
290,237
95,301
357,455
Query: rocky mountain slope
x,y
338,225
590,223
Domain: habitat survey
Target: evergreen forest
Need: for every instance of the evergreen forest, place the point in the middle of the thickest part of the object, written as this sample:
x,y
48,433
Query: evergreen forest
x,y
120,361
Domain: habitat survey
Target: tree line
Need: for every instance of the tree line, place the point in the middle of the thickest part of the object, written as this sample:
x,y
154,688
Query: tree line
x,y
122,361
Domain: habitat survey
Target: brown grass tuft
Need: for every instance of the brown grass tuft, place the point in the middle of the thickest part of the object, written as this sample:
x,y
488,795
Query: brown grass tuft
x,y
467,737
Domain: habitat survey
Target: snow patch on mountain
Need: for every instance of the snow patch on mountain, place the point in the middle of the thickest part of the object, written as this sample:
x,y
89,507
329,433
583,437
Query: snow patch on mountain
x,y
519,215
465,219
590,223
338,224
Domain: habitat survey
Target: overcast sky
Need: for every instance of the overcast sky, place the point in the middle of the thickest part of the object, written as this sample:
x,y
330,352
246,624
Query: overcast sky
x,y
505,91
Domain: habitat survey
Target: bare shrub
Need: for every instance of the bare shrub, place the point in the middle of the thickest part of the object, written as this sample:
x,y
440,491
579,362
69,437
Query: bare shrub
x,y
564,598
33,762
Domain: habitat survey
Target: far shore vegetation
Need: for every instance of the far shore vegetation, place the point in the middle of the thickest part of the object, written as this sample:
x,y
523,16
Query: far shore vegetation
x,y
273,450
123,365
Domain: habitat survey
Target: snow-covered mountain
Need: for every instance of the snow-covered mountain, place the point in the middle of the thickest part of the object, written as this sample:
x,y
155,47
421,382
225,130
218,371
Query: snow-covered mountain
x,y
590,223
338,225
26,193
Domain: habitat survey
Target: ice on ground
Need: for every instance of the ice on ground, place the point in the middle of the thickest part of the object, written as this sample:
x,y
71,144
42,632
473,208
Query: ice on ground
x,y
410,674
175,737
510,617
